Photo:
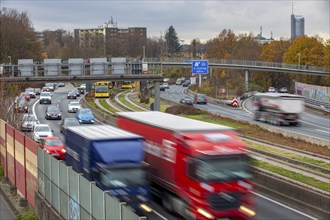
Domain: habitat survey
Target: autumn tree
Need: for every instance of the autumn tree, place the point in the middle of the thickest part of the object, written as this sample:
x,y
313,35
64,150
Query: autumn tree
x,y
173,45
17,37
306,51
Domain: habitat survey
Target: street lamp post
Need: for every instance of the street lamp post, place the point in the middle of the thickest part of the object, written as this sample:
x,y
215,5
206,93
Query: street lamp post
x,y
10,67
144,52
299,60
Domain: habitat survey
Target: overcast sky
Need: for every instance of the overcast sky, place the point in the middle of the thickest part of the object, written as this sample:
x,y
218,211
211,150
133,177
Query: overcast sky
x,y
202,19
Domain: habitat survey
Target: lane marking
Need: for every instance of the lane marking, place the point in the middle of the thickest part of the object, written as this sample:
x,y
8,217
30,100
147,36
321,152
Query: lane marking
x,y
285,206
315,125
322,131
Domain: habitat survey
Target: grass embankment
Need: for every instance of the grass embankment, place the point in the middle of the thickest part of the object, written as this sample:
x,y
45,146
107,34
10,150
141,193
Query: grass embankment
x,y
289,155
105,105
121,98
292,175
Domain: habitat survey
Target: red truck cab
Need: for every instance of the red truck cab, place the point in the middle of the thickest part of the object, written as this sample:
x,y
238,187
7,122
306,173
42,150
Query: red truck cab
x,y
200,170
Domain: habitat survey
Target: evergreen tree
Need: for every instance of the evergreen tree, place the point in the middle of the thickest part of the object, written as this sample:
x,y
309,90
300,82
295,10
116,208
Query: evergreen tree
x,y
172,41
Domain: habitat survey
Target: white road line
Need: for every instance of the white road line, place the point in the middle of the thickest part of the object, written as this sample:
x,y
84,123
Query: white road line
x,y
314,125
322,131
278,203
160,215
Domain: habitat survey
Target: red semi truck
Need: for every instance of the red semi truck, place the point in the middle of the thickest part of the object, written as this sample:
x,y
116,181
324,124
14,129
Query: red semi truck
x,y
199,170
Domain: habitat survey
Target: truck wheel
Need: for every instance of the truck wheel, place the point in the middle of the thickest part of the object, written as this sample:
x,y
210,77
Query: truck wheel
x,y
166,201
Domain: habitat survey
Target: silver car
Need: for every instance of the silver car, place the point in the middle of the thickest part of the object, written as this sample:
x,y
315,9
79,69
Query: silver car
x,y
74,106
28,121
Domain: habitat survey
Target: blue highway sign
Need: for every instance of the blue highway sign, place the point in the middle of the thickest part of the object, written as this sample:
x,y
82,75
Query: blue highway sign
x,y
200,66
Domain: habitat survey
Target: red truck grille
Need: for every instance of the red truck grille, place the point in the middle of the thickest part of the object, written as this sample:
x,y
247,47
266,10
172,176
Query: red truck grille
x,y
223,201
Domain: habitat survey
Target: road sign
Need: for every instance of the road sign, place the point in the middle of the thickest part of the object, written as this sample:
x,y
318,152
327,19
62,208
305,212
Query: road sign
x,y
200,66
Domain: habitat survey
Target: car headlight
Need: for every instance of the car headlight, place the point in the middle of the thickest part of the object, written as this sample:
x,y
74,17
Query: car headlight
x,y
59,114
63,150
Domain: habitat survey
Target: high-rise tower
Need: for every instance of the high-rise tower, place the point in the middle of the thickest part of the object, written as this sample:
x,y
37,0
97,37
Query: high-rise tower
x,y
297,25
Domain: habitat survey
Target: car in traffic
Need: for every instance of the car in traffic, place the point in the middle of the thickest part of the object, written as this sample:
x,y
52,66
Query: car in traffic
x,y
37,91
162,87
25,95
73,106
187,101
76,90
54,146
45,97
61,84
186,83
28,121
85,116
166,85
68,122
22,106
200,99
41,131
53,112
31,92
71,95
283,90
271,89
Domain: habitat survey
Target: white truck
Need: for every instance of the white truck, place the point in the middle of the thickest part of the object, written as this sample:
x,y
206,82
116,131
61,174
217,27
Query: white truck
x,y
278,108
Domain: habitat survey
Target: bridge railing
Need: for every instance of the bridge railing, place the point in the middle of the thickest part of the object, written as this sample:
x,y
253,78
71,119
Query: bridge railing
x,y
250,63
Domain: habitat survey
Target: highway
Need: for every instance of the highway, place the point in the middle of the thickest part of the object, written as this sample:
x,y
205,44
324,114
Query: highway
x,y
311,124
266,208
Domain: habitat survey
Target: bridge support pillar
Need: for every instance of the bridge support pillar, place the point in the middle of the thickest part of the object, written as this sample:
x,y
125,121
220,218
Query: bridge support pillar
x,y
246,80
157,97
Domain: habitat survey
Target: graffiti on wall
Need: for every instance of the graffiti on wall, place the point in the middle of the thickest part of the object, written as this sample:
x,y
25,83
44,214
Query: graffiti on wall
x,y
320,93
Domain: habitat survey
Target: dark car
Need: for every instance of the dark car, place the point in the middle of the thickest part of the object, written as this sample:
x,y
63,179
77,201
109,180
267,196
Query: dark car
x,y
53,112
186,101
200,99
71,95
68,122
186,83
162,87
22,106
76,90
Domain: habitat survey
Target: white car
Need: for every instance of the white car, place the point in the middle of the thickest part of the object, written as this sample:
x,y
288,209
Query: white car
x,y
74,106
165,85
45,97
41,131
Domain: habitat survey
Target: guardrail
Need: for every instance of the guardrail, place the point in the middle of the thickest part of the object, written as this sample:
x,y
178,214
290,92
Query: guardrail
x,y
325,106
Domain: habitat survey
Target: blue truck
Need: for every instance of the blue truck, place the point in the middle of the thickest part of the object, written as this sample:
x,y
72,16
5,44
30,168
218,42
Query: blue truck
x,y
111,157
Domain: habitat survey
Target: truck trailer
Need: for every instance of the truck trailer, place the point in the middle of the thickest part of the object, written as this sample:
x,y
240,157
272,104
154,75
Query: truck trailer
x,y
199,170
111,157
278,108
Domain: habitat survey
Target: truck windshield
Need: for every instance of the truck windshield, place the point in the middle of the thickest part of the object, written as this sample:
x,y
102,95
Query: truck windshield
x,y
221,169
117,178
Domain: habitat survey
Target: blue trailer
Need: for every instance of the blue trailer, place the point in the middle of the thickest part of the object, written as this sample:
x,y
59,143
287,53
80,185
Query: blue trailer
x,y
111,157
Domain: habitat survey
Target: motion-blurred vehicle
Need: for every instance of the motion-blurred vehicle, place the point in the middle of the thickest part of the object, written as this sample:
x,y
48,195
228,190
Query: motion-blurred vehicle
x,y
31,92
200,98
53,112
186,101
54,146
85,116
74,106
22,106
28,121
68,122
45,97
41,131
278,108
71,95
